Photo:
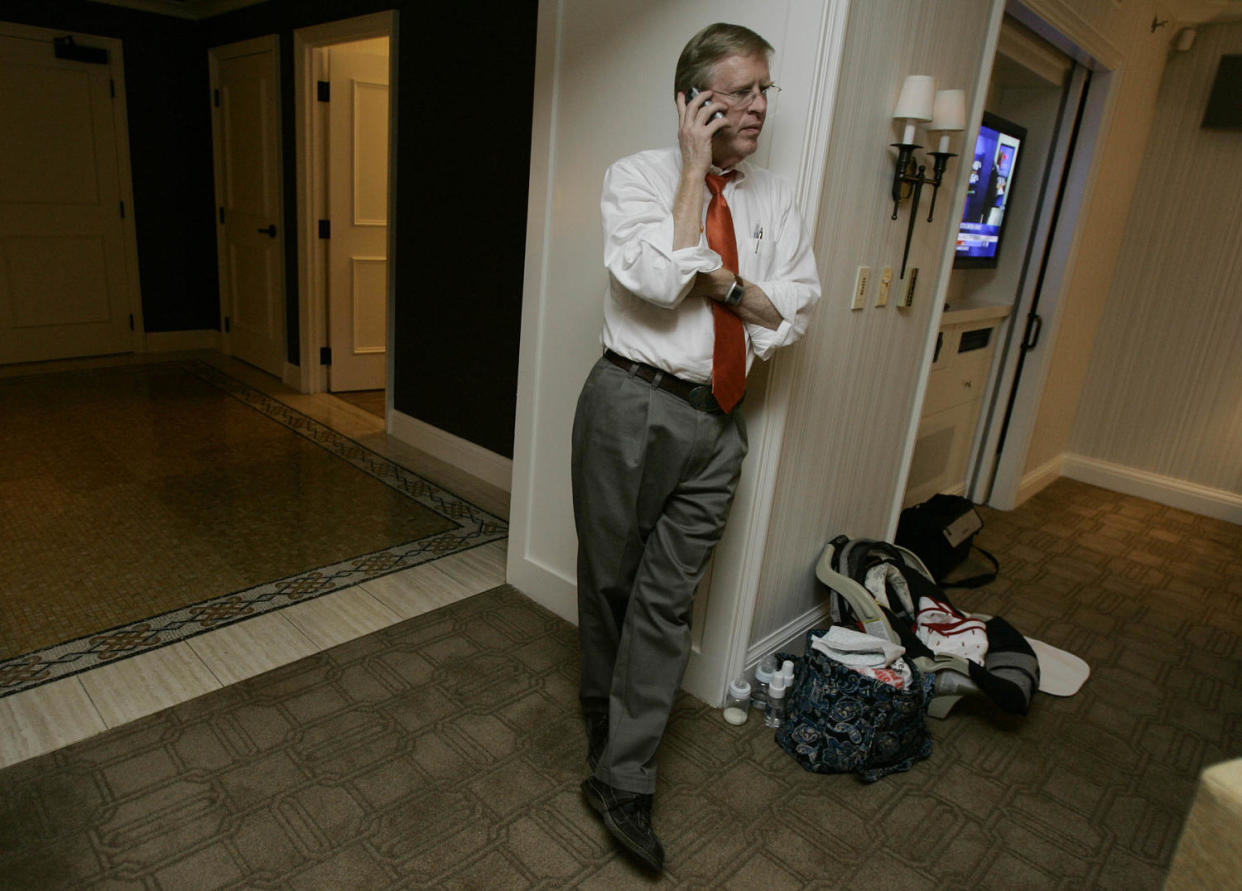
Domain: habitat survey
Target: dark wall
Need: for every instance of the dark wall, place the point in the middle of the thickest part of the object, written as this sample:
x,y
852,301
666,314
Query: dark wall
x,y
166,85
466,74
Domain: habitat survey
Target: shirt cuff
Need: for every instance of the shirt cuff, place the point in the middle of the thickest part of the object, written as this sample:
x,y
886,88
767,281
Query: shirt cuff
x,y
765,341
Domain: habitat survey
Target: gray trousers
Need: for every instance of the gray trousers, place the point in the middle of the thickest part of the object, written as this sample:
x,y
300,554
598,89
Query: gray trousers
x,y
653,480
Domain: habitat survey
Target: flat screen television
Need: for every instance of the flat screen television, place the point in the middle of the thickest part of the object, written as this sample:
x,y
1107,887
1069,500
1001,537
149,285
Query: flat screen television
x,y
982,229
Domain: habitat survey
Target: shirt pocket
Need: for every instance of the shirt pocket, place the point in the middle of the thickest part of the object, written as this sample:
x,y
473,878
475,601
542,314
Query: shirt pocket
x,y
757,253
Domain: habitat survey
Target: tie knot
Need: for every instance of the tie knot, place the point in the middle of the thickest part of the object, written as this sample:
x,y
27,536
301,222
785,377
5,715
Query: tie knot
x,y
716,181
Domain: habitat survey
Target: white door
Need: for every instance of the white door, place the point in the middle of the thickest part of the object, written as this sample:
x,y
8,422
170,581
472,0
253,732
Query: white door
x,y
249,222
65,285
358,210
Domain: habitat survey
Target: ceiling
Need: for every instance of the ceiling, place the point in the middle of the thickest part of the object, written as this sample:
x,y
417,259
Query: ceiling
x,y
1185,12
183,9
1197,12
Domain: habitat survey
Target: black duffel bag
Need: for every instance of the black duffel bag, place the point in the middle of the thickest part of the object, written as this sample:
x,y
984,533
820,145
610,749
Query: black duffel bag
x,y
942,530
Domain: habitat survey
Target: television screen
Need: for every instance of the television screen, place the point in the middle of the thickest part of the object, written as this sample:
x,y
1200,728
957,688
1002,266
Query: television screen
x,y
987,196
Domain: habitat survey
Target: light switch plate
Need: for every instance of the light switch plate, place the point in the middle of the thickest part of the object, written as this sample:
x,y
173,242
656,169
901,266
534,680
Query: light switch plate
x,y
861,281
886,279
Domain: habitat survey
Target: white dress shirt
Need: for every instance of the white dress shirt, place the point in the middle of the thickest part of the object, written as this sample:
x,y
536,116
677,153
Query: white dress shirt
x,y
647,316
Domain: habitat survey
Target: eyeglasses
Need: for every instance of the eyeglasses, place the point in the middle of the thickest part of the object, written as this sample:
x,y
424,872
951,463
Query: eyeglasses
x,y
746,98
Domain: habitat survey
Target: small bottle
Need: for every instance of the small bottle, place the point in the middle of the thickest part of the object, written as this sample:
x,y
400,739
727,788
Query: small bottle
x,y
763,678
737,703
775,715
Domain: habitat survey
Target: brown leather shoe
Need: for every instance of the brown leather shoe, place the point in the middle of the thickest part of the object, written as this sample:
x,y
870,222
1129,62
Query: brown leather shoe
x,y
627,815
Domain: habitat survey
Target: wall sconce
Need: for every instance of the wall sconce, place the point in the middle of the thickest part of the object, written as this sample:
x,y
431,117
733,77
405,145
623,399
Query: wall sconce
x,y
944,111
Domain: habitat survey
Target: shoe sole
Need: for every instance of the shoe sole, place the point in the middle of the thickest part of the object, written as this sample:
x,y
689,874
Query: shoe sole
x,y
597,802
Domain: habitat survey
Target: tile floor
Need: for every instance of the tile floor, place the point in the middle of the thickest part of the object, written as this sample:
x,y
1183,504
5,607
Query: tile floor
x,y
46,718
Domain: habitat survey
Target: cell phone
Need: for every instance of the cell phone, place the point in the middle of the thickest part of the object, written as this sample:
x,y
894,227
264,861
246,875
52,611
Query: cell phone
x,y
694,91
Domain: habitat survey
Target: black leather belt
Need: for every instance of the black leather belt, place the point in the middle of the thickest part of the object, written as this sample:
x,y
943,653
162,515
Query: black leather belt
x,y
698,395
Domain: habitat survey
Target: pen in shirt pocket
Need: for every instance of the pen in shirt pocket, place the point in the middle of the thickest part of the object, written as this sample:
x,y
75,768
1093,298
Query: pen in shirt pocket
x,y
758,237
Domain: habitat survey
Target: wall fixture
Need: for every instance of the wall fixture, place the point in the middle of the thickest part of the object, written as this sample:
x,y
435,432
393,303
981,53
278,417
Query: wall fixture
x,y
944,111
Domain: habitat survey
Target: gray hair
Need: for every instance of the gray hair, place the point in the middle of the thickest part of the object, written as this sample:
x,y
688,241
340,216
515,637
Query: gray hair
x,y
709,46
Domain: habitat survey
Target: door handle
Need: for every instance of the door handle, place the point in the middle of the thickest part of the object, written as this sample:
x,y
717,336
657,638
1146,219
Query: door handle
x,y
1034,326
270,231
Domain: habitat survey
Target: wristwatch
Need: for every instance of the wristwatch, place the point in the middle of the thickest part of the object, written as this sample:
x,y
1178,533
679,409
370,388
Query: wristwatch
x,y
734,297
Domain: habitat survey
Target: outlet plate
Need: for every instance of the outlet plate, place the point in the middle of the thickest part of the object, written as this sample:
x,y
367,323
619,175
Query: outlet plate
x,y
886,280
859,300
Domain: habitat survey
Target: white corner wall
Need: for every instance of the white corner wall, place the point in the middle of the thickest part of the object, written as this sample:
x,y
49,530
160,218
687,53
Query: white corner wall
x,y
603,89
859,375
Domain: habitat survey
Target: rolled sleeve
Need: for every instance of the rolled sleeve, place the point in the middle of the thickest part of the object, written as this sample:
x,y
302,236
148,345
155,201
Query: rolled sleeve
x,y
638,240
792,285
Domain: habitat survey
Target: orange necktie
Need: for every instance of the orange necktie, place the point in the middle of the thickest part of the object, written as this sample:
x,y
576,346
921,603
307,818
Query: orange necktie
x,y
729,352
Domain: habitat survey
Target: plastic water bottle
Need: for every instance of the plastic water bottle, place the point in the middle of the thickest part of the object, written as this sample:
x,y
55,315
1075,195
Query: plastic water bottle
x,y
775,715
763,679
737,703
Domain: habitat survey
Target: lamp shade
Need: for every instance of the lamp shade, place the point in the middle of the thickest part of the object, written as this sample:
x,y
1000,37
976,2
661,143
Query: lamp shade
x,y
915,101
949,110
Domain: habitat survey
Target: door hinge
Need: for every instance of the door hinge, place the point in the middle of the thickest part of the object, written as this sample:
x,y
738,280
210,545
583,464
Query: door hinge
x,y
215,98
228,324
131,321
325,228
325,355
325,88
122,210
222,215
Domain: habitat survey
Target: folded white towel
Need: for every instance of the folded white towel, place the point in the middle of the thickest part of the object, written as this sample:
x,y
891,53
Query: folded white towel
x,y
853,648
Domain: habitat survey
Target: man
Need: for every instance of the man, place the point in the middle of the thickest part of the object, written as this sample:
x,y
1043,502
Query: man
x,y
704,274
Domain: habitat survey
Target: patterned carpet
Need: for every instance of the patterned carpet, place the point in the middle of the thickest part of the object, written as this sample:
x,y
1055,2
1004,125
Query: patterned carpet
x,y
446,752
145,504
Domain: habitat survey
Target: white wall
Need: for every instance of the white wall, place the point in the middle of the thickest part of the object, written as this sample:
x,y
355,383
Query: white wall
x,y
859,375
1121,38
1162,401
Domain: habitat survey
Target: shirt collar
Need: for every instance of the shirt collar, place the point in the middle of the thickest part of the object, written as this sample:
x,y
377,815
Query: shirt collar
x,y
739,171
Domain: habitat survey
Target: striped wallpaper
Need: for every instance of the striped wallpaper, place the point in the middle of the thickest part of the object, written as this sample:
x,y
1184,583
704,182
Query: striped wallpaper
x,y
1163,393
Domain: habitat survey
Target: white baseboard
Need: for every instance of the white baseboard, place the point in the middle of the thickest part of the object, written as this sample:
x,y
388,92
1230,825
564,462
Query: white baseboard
x,y
474,459
788,637
292,376
175,341
1035,481
543,584
1217,503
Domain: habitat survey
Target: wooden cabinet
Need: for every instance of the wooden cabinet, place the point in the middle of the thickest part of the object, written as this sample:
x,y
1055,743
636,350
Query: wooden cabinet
x,y
956,387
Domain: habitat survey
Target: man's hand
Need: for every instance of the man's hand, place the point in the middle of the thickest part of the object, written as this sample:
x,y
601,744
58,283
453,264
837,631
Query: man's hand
x,y
694,133
755,308
694,136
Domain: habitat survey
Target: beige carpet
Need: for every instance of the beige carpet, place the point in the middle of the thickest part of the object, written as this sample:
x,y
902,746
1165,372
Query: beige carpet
x,y
138,492
446,752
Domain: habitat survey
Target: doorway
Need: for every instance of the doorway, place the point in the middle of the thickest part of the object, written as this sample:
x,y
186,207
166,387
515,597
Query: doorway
x,y
356,169
992,355
346,122
68,248
245,124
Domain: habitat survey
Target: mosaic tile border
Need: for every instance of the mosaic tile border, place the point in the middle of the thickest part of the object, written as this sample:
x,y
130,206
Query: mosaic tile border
x,y
473,527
